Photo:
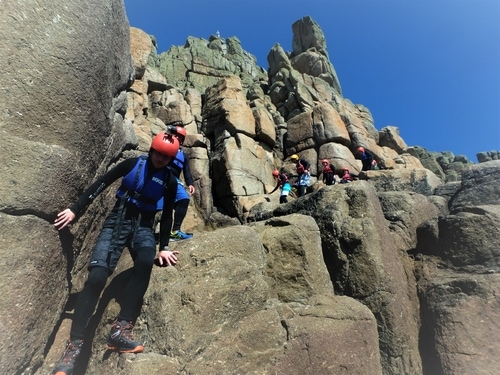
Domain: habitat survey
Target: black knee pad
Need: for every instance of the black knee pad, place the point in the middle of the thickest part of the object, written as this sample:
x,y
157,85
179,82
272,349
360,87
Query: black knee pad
x,y
143,257
97,277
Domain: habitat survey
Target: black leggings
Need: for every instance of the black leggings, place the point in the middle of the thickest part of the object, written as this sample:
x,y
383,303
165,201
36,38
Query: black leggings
x,y
96,280
301,190
87,301
180,208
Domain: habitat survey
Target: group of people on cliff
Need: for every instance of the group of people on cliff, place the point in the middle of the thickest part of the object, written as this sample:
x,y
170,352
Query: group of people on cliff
x,y
303,174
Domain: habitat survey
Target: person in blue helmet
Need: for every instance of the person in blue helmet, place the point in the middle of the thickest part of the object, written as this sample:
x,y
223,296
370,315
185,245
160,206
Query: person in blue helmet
x,y
144,181
178,165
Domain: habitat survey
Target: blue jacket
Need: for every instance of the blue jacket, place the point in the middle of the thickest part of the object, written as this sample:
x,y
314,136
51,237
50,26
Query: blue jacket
x,y
366,160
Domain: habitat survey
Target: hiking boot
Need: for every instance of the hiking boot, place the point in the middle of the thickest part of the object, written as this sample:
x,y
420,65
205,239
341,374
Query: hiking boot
x,y
120,338
67,362
180,235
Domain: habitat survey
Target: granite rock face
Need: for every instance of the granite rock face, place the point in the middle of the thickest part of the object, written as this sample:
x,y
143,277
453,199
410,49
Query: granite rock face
x,y
394,273
65,71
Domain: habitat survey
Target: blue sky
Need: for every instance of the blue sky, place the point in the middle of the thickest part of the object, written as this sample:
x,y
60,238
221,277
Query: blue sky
x,y
429,67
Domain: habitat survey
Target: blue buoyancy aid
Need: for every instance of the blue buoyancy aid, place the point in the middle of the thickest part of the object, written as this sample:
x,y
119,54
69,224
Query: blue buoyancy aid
x,y
178,161
144,191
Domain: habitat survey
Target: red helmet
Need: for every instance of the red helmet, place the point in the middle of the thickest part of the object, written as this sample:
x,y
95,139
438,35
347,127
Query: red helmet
x,y
165,144
181,131
276,173
325,161
361,149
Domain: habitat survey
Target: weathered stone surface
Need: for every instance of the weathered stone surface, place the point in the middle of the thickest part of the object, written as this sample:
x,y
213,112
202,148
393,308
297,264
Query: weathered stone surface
x,y
328,125
201,63
265,128
406,211
306,78
405,161
237,163
309,52
226,109
440,162
488,156
300,133
360,125
340,156
364,263
284,262
251,298
65,67
27,315
170,107
458,281
141,46
328,324
233,305
460,314
154,81
389,137
196,149
480,186
420,181
471,237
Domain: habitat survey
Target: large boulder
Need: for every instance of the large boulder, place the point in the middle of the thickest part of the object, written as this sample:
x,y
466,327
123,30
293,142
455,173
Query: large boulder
x,y
304,78
418,180
365,263
457,276
243,300
241,165
467,236
460,314
405,211
65,68
479,186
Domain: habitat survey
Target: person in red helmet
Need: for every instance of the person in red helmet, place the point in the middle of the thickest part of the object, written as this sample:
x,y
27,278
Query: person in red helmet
x,y
346,176
144,181
328,172
282,181
366,159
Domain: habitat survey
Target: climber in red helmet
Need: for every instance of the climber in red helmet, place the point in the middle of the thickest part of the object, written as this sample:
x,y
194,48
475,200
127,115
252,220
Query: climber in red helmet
x,y
144,181
366,159
328,172
346,176
282,181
